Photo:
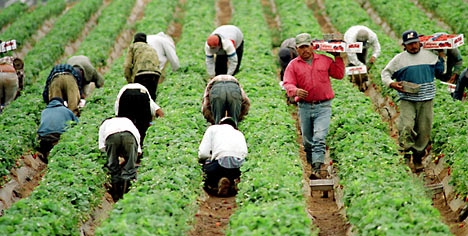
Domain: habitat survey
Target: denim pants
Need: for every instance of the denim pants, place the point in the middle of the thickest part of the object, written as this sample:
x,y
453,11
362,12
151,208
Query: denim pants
x,y
225,97
315,120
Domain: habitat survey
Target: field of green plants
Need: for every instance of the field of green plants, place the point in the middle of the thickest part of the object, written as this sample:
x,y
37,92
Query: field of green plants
x,y
380,194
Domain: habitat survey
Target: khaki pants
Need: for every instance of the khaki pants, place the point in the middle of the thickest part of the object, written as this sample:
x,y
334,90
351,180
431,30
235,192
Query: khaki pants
x,y
8,87
415,124
65,86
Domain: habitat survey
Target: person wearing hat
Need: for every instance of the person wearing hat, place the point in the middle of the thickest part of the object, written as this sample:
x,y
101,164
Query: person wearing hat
x,y
141,64
418,67
286,53
64,81
119,137
368,38
222,152
55,119
307,78
223,50
224,96
89,74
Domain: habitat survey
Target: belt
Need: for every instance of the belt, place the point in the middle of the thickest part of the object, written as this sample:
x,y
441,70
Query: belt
x,y
317,102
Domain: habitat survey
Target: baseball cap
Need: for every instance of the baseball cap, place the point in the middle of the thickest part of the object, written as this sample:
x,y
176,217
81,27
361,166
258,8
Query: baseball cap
x,y
213,41
362,35
303,39
410,36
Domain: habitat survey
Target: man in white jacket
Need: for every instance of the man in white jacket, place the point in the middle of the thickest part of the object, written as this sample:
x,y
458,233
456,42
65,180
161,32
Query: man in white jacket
x,y
227,44
360,33
165,47
222,152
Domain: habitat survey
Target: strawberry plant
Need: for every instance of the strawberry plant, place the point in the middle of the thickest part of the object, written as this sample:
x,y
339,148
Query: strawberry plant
x,y
11,13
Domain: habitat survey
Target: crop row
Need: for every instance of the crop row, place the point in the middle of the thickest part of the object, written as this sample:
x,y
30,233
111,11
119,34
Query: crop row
x,y
449,128
10,13
74,183
21,118
25,26
271,198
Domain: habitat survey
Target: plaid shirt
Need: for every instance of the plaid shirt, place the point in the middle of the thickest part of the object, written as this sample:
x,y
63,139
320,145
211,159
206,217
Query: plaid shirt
x,y
61,68
206,106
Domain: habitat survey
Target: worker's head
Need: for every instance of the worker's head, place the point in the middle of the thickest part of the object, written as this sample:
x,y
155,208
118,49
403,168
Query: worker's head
x,y
411,41
229,121
139,37
304,46
213,41
58,99
362,36
79,71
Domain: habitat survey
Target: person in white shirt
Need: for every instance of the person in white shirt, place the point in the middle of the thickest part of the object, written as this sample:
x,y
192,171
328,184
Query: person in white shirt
x,y
222,152
165,47
227,44
135,103
360,33
119,137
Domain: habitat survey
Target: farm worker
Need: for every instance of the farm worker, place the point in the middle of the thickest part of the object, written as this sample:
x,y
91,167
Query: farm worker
x,y
165,47
286,53
418,66
224,96
454,64
18,64
55,119
8,84
119,137
368,38
222,151
83,65
307,79
65,82
223,50
462,83
142,64
135,103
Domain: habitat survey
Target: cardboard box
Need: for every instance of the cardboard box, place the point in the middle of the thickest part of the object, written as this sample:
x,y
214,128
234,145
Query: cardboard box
x,y
411,87
450,87
336,46
446,41
355,70
8,46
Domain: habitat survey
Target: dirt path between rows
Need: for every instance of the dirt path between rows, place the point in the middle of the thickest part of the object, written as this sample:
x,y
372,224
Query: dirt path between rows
x,y
433,16
213,213
386,108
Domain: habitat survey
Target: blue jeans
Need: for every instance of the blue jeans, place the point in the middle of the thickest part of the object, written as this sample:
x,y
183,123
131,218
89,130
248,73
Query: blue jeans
x,y
315,120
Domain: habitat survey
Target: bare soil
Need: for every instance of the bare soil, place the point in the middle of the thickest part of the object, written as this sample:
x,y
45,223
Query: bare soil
x,y
223,12
433,17
378,20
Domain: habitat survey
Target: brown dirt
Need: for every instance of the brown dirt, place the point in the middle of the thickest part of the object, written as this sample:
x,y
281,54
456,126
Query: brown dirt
x,y
223,12
376,18
273,21
213,215
433,16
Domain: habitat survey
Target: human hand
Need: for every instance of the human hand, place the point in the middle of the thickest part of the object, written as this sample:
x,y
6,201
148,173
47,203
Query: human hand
x,y
372,60
301,93
336,54
159,113
398,86
452,78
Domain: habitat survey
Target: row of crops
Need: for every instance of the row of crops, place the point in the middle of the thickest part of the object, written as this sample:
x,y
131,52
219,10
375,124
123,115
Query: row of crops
x,y
379,194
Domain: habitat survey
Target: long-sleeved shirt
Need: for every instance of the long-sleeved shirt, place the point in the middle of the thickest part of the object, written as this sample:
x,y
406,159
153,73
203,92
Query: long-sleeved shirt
x,y
90,73
141,58
419,68
165,47
222,141
231,38
117,125
153,106
55,118
57,69
313,78
206,105
373,41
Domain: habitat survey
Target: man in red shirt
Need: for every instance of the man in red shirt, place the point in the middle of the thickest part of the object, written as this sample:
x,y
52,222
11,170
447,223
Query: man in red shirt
x,y
307,78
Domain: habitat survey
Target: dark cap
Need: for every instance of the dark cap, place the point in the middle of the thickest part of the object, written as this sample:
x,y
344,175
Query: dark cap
x,y
139,37
58,99
229,121
410,36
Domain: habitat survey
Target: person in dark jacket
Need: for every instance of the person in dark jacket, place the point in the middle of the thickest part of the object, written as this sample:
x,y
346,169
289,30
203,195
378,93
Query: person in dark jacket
x,y
54,121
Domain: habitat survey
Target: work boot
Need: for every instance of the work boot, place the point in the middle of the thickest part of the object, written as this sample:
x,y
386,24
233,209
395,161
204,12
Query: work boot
x,y
315,171
417,161
407,158
223,186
